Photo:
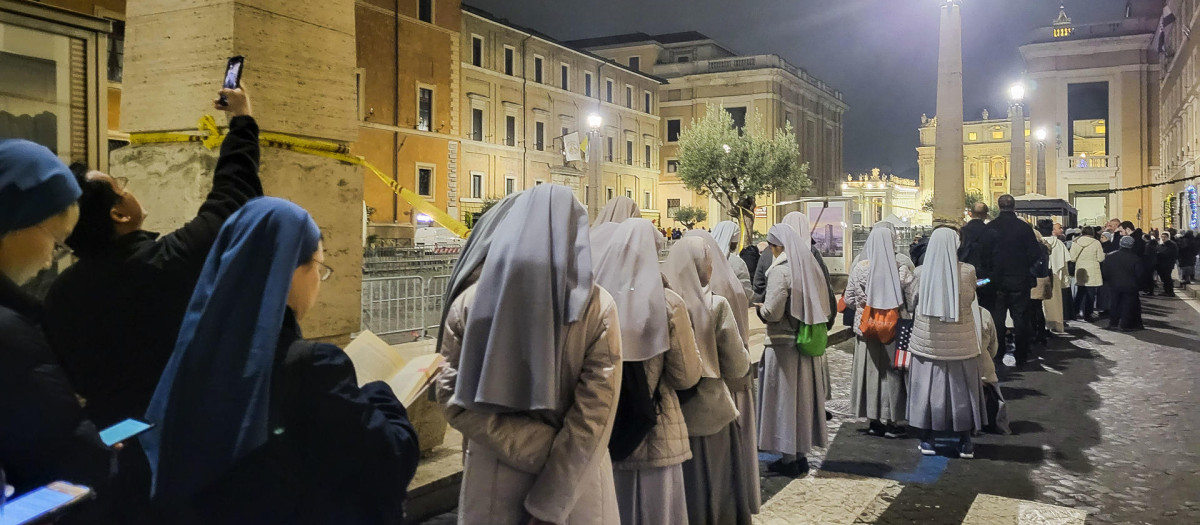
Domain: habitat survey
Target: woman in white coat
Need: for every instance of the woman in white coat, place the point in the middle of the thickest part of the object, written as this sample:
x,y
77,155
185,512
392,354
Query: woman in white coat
x,y
657,333
533,358
791,385
711,478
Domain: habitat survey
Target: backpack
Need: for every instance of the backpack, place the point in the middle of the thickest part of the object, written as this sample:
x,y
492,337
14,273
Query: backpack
x,y
637,411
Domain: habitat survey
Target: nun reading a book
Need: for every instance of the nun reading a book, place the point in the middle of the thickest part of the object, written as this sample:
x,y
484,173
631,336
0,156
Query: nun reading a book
x,y
253,423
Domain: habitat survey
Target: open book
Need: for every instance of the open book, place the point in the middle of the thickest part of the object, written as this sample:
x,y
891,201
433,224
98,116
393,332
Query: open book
x,y
409,373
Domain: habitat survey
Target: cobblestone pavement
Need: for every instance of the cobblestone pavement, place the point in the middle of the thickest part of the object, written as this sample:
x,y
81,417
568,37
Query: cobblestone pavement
x,y
1106,424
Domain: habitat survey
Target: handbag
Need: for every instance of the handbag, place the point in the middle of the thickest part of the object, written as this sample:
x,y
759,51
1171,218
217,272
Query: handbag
x,y
812,339
903,357
879,324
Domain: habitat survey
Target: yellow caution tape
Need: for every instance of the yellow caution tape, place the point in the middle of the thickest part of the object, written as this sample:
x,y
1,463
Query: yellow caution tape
x,y
211,136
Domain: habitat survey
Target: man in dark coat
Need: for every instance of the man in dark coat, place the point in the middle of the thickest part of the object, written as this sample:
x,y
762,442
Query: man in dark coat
x,y
916,251
978,242
750,256
114,316
1123,273
1149,261
1014,253
1168,257
1189,248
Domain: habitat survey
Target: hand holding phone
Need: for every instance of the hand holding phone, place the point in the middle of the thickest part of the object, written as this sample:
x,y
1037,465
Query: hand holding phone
x,y
44,503
122,431
237,102
233,76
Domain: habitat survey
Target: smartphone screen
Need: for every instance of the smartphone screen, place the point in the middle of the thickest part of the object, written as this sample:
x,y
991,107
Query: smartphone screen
x,y
42,502
233,75
123,430
982,282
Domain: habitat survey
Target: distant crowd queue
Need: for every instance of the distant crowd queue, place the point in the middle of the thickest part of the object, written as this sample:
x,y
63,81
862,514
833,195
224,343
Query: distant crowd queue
x,y
592,383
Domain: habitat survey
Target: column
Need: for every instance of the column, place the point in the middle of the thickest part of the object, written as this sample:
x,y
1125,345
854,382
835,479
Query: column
x,y
1016,177
949,187
299,69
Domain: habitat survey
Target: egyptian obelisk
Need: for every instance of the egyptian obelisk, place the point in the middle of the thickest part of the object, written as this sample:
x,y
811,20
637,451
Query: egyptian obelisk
x,y
948,184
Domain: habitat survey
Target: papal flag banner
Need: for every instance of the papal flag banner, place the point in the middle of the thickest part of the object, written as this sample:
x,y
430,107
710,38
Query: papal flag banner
x,y
571,147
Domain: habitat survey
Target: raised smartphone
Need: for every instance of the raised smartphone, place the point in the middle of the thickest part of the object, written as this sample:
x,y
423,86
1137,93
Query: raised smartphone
x,y
233,75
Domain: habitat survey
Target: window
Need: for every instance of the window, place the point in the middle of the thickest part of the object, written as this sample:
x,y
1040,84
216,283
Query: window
x,y
425,181
635,63
538,182
510,185
673,126
476,124
997,135
476,185
537,69
683,59
629,153
608,86
646,106
1101,129
609,193
587,194
508,60
565,77
972,136
562,138
424,109
539,136
425,10
510,130
646,200
673,166
629,193
672,207
629,97
476,51
609,157
116,51
739,119
646,159
587,88
1027,132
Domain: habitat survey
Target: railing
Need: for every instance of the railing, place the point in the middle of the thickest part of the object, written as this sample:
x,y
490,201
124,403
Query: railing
x,y
393,305
1083,162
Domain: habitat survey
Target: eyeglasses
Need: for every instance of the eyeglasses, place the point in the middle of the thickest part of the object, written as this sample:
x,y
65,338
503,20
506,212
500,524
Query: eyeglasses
x,y
325,271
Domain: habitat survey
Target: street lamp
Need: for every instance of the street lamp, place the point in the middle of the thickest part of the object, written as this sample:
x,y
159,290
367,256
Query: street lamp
x,y
1040,134
1016,92
594,122
1016,179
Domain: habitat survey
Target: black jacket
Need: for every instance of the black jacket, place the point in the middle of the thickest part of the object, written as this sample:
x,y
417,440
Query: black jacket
x,y
113,320
1189,247
1168,254
347,454
750,256
1123,270
44,436
978,243
1015,250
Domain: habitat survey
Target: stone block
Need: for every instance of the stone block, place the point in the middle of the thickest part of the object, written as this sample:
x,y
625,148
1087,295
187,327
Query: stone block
x,y
826,500
996,510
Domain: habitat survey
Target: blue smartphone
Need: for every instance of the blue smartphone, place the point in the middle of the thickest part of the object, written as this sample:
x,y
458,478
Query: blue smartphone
x,y
982,282
44,503
123,430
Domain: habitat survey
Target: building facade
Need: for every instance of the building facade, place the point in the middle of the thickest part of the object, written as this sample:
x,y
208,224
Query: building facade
x,y
699,72
524,93
877,196
1180,139
987,157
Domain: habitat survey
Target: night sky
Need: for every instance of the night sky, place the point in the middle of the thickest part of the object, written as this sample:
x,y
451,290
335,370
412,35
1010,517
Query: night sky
x,y
882,54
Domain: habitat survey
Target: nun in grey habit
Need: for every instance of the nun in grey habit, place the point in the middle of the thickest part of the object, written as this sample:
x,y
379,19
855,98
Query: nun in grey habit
x,y
882,282
800,223
791,385
711,478
533,360
726,233
657,332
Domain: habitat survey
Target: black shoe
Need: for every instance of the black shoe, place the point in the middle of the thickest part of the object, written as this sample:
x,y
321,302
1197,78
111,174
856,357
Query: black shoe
x,y
795,469
896,432
828,416
875,428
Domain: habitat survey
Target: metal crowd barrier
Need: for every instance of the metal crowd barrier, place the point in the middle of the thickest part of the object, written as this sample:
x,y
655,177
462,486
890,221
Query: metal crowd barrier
x,y
392,305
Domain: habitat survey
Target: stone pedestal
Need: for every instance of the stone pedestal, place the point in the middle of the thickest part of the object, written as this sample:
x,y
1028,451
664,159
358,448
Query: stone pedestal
x,y
949,187
299,70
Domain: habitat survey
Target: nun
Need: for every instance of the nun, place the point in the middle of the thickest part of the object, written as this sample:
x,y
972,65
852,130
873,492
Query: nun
x,y
726,234
533,366
656,332
724,283
253,423
799,222
712,480
617,209
944,388
792,386
881,282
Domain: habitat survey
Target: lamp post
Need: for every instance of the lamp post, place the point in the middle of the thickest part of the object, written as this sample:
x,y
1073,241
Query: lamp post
x,y
1016,179
594,180
1040,134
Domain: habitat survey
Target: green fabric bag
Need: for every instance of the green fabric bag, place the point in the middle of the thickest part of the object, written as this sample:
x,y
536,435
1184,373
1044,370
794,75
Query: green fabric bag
x,y
812,339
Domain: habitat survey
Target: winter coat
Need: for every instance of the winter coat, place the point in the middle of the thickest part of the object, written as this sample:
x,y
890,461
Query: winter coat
x,y
938,340
549,464
978,243
676,369
1015,250
1087,253
987,353
775,311
742,273
856,291
709,407
1123,270
750,256
1168,254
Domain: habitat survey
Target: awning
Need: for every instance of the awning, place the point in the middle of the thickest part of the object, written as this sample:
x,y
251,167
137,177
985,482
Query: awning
x,y
1038,205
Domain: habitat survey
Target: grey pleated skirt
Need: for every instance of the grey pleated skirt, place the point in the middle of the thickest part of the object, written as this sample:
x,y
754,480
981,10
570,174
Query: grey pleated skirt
x,y
878,391
945,395
791,401
651,496
746,457
711,479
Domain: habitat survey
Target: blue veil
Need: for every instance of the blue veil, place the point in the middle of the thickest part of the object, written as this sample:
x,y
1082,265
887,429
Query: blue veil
x,y
211,404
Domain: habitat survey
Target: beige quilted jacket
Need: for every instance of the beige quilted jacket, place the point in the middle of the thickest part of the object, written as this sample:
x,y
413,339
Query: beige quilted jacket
x,y
941,341
677,369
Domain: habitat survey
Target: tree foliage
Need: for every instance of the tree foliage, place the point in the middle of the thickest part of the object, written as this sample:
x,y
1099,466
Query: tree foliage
x,y
969,199
736,168
689,216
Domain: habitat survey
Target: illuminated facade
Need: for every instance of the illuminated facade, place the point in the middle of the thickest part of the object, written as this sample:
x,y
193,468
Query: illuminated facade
x,y
987,156
877,196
